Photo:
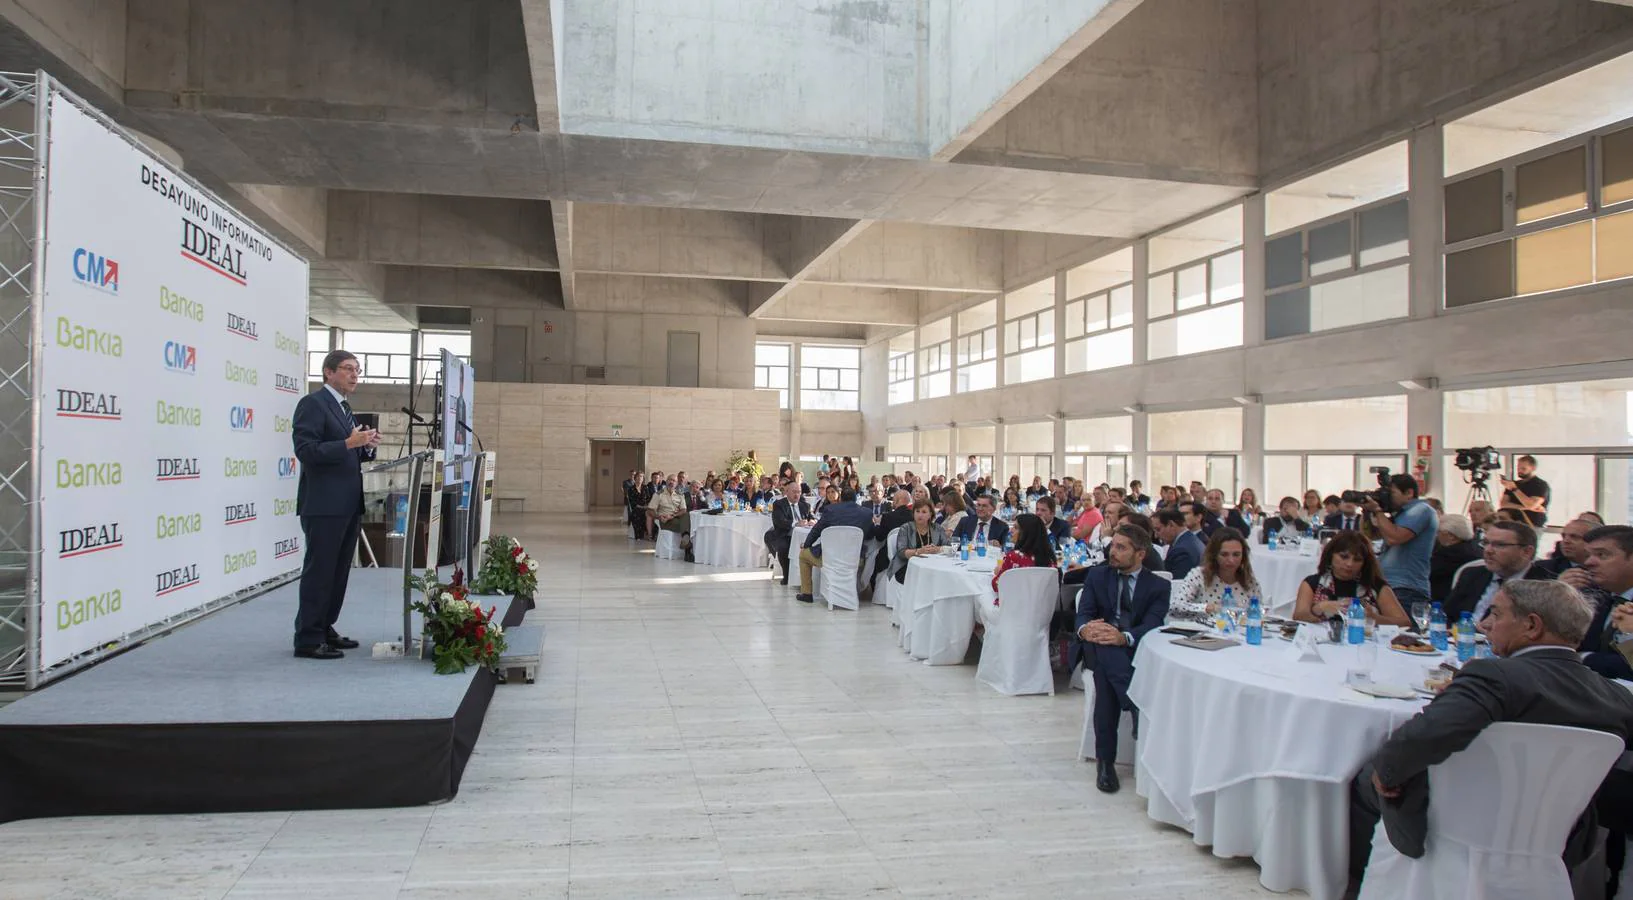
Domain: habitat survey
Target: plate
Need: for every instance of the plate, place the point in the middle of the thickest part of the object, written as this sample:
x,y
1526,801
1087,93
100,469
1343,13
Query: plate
x,y
1428,651
1193,627
1386,691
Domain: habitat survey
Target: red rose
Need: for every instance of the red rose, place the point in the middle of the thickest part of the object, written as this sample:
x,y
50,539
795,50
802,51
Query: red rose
x,y
521,568
516,552
459,577
489,650
480,631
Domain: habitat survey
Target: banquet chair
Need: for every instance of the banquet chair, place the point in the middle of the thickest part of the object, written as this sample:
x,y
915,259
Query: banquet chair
x,y
669,545
1127,752
883,584
1498,844
1164,575
1015,650
841,558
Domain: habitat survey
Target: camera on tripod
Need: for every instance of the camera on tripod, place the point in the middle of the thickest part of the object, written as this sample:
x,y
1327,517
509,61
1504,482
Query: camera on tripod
x,y
1478,463
1379,495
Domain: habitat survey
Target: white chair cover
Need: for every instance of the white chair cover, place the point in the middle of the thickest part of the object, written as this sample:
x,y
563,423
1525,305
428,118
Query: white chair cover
x,y
669,546
1164,575
1015,650
841,557
883,584
1125,726
1499,814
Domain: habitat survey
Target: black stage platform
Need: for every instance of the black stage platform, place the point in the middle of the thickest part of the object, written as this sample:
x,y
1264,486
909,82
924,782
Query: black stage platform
x,y
220,717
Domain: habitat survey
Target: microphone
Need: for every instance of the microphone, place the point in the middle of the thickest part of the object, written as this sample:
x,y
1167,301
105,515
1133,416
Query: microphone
x,y
413,415
465,427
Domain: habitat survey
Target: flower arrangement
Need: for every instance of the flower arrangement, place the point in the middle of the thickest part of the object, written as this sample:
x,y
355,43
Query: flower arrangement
x,y
506,569
461,633
742,462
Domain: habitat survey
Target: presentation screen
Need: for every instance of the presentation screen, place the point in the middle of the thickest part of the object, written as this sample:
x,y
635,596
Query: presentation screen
x,y
173,334
458,390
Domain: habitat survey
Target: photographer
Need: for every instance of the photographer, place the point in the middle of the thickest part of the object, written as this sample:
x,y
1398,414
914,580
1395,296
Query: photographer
x,y
1409,539
1529,494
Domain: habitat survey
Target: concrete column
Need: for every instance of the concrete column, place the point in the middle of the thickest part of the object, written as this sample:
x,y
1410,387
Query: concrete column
x,y
1426,152
1059,466
795,350
793,433
1002,349
998,444
1139,461
1425,415
1060,324
1142,263
1253,272
1252,473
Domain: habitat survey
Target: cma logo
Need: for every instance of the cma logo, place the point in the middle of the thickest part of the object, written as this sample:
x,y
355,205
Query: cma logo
x,y
285,384
241,418
287,467
99,272
178,469
284,548
90,539
175,580
241,326
179,357
88,405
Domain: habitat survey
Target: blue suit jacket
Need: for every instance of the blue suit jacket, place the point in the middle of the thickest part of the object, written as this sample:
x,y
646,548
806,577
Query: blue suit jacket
x,y
996,529
331,476
1059,529
1098,601
840,513
1183,556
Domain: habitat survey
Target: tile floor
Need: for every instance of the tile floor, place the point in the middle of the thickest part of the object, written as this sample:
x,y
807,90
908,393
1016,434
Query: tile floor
x,y
695,733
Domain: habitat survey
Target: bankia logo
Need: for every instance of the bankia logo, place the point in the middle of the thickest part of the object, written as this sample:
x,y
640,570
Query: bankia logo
x,y
177,468
285,384
88,405
94,270
178,579
287,468
241,418
89,539
238,513
237,324
179,357
286,547
233,562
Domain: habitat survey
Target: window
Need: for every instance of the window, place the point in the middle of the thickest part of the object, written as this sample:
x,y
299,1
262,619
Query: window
x,y
771,370
900,376
1360,423
978,441
932,458
1543,221
1099,330
1338,272
432,343
1029,333
978,347
1028,451
829,377
317,346
936,360
899,449
1196,306
384,355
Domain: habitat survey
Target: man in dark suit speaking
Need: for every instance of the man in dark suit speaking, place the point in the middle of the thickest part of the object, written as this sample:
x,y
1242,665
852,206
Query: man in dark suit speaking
x,y
331,447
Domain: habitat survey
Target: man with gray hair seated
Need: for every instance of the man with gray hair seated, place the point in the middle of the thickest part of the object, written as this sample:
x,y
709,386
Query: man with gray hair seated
x,y
1455,547
1535,676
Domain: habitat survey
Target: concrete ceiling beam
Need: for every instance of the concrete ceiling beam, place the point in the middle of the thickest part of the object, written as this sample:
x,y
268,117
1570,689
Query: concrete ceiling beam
x,y
811,242
434,230
539,27
561,219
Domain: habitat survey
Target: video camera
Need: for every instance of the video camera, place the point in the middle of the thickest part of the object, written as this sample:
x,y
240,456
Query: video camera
x,y
1478,463
1379,495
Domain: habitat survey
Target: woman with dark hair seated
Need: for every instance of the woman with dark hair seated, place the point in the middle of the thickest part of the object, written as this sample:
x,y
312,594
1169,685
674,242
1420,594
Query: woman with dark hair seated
x,y
1348,571
1225,564
1031,549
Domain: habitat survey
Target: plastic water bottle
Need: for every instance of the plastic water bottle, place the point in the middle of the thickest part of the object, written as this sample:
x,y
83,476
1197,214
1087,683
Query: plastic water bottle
x,y
1357,631
1437,628
1222,619
964,551
1009,542
1255,622
1465,637
1271,541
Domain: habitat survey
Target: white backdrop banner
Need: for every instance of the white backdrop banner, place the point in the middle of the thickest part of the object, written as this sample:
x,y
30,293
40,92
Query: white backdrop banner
x,y
174,351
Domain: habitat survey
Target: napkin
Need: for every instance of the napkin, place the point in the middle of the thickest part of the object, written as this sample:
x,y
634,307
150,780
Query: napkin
x,y
1305,647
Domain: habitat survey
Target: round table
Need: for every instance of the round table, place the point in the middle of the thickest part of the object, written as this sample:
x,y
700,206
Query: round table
x,y
1252,751
1280,572
734,539
946,596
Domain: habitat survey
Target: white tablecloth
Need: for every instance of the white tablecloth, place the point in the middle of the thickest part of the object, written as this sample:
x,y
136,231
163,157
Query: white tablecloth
x,y
1252,752
1279,573
734,539
948,596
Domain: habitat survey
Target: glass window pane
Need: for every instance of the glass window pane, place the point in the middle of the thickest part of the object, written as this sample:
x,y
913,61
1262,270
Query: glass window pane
x,y
1028,334
1330,248
771,354
1196,429
978,317
1192,287
1012,337
1227,278
1480,274
1284,260
1551,186
1287,314
1074,318
1383,233
1616,154
828,379
1122,306
849,379
1030,299
778,377
1474,207
1613,236
317,339
1107,350
1161,295
1554,259
1046,329
1283,477
1570,414
1362,423
1330,474
1102,434
1094,317
837,357
1615,501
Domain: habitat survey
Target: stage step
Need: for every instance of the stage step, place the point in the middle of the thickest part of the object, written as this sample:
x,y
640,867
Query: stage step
x,y
524,647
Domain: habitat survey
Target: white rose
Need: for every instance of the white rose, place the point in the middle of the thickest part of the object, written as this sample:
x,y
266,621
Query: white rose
x,y
532,565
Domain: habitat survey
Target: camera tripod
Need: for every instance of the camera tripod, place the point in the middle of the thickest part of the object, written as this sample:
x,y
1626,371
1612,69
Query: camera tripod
x,y
1478,490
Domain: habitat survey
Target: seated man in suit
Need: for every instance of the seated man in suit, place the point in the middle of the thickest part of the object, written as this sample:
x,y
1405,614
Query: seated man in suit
x,y
789,510
1455,547
1571,551
1348,518
1534,628
1286,519
1606,578
1184,547
1215,516
1510,549
846,512
983,527
1119,604
1059,529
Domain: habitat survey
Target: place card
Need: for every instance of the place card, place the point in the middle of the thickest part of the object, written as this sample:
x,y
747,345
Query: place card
x,y
1306,644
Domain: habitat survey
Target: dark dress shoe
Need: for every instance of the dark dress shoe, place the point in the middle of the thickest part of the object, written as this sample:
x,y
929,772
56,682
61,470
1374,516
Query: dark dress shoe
x,y
805,598
321,651
1107,782
341,642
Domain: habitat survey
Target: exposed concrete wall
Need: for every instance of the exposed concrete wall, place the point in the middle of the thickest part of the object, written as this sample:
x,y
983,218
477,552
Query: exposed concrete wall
x,y
87,35
830,75
431,230
640,240
838,433
1338,75
827,303
930,257
303,212
457,61
1171,90
1029,257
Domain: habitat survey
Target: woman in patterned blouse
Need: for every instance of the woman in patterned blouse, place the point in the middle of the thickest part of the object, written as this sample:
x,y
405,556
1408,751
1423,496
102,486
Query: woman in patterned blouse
x,y
1031,549
1224,565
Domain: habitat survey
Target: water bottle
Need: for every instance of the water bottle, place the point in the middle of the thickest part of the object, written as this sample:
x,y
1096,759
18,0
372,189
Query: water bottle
x,y
1465,637
964,551
1357,630
1222,619
1437,628
1271,541
1009,541
1255,622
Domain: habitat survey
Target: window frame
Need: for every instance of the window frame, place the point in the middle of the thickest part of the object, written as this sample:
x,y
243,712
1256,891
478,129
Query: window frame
x,y
1308,282
1067,340
839,378
785,394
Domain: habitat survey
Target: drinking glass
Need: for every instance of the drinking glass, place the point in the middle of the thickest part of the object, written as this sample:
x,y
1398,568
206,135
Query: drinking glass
x,y
1366,658
1420,615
